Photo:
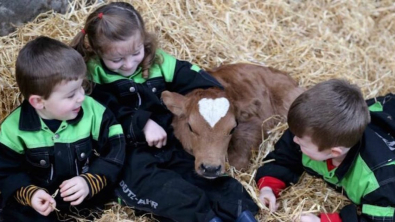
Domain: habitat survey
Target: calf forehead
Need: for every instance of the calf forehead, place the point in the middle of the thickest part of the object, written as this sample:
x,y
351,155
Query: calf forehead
x,y
212,110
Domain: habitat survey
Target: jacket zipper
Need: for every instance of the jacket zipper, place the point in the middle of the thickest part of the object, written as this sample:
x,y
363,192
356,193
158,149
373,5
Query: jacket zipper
x,y
51,177
76,167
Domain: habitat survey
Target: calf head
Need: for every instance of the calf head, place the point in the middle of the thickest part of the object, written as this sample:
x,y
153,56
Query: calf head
x,y
204,121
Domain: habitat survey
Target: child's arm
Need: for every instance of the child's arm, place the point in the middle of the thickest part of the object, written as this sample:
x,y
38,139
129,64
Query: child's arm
x,y
37,198
188,77
12,176
14,180
132,121
285,166
110,155
155,135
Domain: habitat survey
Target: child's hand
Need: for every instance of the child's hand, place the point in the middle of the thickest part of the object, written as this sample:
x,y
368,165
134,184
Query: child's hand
x,y
309,218
75,189
155,135
268,198
43,203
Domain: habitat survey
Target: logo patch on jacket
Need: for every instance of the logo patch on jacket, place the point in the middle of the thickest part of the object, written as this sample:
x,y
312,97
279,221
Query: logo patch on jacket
x,y
390,144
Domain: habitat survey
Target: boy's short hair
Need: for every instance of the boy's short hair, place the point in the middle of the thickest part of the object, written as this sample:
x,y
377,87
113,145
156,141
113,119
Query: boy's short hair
x,y
333,113
43,63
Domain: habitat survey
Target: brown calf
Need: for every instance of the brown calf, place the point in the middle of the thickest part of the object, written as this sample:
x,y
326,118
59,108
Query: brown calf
x,y
212,124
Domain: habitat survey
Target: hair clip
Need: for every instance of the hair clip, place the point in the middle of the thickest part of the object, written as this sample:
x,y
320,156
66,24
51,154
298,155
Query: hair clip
x,y
100,15
83,31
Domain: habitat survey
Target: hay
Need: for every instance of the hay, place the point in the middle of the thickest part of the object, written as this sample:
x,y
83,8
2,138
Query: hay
x,y
312,40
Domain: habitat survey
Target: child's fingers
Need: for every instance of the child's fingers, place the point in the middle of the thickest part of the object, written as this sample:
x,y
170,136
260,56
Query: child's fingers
x,y
78,201
159,144
43,206
69,191
47,199
165,140
162,141
64,186
73,197
270,202
65,183
150,142
47,211
69,185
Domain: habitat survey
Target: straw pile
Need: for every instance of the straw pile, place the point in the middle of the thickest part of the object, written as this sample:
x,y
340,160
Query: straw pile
x,y
312,40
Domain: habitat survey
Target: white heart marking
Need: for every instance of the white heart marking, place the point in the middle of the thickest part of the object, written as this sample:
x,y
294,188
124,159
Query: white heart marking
x,y
213,110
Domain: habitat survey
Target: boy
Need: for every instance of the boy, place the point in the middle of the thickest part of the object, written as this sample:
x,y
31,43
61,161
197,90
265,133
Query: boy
x,y
59,148
329,137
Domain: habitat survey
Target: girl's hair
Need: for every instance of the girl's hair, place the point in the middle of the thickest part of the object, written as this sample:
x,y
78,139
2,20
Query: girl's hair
x,y
333,113
116,21
43,63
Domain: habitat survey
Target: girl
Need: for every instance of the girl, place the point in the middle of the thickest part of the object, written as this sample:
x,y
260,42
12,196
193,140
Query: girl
x,y
130,74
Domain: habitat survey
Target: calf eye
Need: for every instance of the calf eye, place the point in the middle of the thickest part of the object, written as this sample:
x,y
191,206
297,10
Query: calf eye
x,y
190,128
231,132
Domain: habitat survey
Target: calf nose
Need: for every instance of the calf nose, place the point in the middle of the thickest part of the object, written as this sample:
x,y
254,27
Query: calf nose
x,y
210,171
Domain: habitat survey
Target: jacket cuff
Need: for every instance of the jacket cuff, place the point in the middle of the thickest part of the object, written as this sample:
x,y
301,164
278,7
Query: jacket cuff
x,y
333,217
275,184
24,194
95,183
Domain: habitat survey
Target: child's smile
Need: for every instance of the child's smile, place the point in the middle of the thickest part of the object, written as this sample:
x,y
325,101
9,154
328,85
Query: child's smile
x,y
65,101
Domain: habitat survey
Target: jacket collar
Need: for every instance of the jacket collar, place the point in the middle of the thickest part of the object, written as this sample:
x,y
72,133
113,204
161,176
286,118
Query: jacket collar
x,y
348,161
30,120
367,148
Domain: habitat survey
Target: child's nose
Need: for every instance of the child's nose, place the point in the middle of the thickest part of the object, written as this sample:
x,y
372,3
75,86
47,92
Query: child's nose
x,y
81,96
128,64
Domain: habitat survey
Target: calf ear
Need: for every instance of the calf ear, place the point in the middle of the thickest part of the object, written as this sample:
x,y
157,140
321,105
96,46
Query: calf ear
x,y
174,102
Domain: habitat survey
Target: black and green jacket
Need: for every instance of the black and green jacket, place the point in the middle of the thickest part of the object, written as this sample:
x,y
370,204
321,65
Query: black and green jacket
x,y
32,156
366,176
134,99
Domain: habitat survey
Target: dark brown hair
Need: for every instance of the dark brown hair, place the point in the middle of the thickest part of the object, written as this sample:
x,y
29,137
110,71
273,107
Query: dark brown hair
x,y
43,63
333,113
116,21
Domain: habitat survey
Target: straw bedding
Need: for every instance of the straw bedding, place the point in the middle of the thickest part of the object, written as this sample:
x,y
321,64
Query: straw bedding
x,y
312,40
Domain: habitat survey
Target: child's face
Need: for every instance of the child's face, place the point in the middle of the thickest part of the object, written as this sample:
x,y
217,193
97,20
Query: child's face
x,y
311,150
124,57
65,101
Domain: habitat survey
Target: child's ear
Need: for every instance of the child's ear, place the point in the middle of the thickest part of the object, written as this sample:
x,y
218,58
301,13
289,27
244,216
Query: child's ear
x,y
36,101
337,151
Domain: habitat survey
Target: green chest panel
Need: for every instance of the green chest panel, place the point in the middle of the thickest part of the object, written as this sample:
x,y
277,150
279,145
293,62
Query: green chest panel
x,y
358,181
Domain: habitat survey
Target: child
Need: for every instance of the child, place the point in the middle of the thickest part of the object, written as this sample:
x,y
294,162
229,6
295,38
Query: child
x,y
329,137
130,75
59,148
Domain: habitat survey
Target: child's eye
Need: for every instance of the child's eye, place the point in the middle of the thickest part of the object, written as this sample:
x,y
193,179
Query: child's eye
x,y
116,60
71,96
136,54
